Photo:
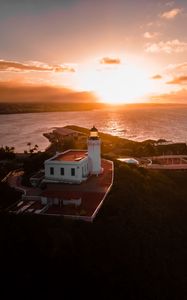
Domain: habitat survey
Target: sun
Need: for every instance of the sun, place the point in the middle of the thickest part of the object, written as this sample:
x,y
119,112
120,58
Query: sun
x,y
121,86
116,84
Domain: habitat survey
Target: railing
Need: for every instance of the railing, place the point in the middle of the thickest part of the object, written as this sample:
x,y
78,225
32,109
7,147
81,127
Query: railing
x,y
6,177
168,167
29,198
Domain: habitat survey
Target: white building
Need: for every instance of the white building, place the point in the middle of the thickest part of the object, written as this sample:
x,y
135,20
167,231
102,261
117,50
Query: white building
x,y
74,166
94,152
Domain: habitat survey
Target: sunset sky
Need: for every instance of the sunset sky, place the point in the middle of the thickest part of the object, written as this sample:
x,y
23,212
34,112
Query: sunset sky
x,y
121,50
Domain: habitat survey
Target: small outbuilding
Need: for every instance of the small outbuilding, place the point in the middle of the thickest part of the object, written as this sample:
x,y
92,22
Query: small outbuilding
x,y
129,161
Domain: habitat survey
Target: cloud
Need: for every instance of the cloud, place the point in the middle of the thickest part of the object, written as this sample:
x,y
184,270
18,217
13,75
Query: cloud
x,y
110,61
171,14
178,80
182,67
170,3
156,77
179,96
173,73
150,24
14,66
12,92
62,68
177,73
173,46
149,35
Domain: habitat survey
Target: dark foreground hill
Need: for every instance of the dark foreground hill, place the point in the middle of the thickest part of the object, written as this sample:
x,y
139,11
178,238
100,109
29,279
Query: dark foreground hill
x,y
135,249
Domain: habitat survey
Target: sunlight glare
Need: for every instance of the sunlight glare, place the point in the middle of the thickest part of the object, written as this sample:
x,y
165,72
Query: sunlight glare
x,y
116,84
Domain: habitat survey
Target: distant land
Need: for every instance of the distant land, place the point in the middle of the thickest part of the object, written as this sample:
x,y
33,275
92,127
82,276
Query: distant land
x,y
34,107
11,92
39,107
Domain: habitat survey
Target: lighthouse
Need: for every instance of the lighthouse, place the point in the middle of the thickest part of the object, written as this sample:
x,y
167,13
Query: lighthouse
x,y
94,152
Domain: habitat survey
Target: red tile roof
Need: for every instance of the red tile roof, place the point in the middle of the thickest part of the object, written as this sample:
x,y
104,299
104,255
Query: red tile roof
x,y
89,203
92,192
71,155
65,195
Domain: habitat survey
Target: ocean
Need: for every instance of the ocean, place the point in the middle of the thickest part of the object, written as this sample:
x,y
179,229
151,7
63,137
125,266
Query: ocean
x,y
136,123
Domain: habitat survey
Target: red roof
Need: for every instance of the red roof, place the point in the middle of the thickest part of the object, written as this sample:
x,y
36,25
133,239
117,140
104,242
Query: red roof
x,y
92,192
89,203
71,155
65,195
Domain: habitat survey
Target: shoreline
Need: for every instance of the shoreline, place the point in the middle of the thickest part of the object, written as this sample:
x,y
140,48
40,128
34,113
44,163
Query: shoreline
x,y
34,107
52,135
126,147
8,108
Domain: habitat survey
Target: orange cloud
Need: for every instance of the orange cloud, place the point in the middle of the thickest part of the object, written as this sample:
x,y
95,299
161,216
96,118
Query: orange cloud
x,y
149,35
14,66
12,92
157,76
170,3
171,14
182,67
173,97
178,80
110,61
177,73
166,47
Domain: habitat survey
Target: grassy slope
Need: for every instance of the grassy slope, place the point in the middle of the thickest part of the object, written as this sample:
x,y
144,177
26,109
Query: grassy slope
x,y
135,249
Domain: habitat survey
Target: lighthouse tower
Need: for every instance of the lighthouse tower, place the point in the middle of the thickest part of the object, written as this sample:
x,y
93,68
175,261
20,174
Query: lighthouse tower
x,y
94,152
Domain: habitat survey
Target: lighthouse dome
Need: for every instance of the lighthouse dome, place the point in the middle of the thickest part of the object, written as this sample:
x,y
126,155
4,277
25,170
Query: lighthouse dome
x,y
94,133
93,129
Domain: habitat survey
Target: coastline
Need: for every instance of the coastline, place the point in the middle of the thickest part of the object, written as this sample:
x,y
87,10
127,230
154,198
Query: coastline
x,y
34,107
41,107
115,146
138,125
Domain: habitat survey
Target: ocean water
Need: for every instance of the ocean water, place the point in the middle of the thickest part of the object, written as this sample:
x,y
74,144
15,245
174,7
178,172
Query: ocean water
x,y
135,123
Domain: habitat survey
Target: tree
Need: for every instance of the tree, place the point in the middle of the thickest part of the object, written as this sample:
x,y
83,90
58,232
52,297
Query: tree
x,y
7,152
29,145
69,143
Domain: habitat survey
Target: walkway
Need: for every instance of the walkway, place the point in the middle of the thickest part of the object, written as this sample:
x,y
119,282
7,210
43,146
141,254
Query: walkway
x,y
14,180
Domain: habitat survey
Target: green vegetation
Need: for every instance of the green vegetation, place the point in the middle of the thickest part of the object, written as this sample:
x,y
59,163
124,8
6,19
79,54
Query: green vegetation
x,y
114,146
8,161
33,163
8,196
32,149
59,144
135,248
7,153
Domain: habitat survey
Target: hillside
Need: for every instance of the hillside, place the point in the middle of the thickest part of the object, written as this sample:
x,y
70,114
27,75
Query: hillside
x,y
135,249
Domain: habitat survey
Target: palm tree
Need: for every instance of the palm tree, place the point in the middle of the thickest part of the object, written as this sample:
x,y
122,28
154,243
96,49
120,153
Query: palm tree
x,y
29,145
7,149
36,147
12,149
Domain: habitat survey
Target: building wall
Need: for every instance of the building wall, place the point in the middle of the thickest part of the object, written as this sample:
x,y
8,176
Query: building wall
x,y
94,156
81,170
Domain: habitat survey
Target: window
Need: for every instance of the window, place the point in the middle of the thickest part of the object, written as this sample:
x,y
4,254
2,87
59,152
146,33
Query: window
x,y
51,171
62,171
72,171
